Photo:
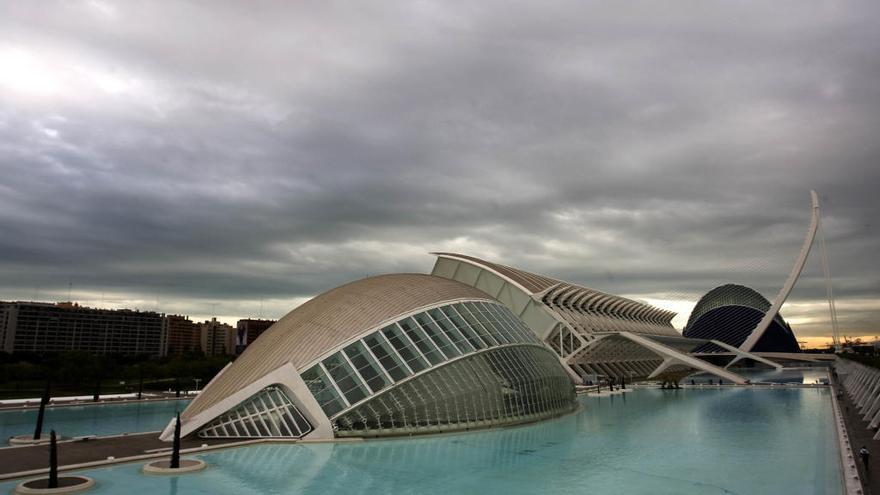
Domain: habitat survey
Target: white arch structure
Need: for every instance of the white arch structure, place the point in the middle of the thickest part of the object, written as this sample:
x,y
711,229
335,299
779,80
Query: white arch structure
x,y
761,328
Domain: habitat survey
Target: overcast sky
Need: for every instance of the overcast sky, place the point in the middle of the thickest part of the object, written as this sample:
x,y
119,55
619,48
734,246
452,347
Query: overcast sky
x,y
236,159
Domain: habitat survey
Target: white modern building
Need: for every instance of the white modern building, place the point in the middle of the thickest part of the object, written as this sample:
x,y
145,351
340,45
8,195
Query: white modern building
x,y
475,344
388,355
594,334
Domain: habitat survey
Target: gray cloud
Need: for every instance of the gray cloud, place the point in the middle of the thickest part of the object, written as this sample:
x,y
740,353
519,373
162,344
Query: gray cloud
x,y
212,154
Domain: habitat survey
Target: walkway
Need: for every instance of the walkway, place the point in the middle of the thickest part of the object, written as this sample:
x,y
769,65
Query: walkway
x,y
22,459
860,435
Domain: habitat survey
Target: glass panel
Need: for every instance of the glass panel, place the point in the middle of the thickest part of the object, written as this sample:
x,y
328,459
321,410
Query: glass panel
x,y
482,332
437,336
503,327
415,333
387,357
260,428
510,323
496,387
320,386
290,424
449,329
259,416
412,357
351,386
526,332
301,422
476,318
463,327
366,366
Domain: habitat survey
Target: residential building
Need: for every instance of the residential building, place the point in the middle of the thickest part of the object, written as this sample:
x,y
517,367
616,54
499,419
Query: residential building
x,y
47,327
184,336
217,338
247,331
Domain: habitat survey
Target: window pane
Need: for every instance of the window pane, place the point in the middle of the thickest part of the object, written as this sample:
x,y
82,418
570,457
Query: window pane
x,y
415,333
475,314
400,343
436,335
325,394
449,329
366,366
463,327
513,323
350,385
482,332
389,359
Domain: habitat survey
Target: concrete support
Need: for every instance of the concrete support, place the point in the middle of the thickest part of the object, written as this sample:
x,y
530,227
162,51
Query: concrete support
x,y
741,354
672,356
862,384
875,421
660,369
872,390
864,388
854,382
872,408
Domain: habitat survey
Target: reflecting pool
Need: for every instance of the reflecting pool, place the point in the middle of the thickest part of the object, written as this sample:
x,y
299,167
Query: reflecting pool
x,y
97,419
806,375
736,440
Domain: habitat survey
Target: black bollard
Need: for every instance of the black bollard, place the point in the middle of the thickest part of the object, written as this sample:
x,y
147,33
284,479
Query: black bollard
x,y
175,449
38,431
53,461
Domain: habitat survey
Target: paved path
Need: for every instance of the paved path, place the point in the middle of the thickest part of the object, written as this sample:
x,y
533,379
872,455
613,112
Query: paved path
x,y
18,459
859,435
35,403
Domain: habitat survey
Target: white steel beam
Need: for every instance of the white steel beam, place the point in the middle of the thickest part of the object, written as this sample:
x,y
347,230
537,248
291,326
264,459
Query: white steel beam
x,y
668,353
741,354
759,330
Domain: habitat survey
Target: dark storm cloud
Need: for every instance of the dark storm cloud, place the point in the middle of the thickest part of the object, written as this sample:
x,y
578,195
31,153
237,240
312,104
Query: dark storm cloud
x,y
241,152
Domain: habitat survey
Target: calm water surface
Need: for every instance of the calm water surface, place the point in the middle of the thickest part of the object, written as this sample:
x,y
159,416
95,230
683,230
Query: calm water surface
x,y
787,375
649,441
99,419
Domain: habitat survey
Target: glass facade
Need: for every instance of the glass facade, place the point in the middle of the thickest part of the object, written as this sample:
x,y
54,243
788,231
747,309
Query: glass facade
x,y
505,385
267,414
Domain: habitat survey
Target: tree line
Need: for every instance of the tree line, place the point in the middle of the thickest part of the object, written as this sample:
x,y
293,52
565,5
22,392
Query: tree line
x,y
81,373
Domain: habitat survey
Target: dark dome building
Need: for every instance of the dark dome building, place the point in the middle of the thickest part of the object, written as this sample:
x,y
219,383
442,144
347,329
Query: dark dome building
x,y
730,313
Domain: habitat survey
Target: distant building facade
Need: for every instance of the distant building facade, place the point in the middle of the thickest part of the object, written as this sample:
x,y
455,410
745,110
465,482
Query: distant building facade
x,y
47,327
248,330
184,336
217,338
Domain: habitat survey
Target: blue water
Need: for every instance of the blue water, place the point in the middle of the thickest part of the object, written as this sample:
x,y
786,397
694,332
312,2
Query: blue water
x,y
787,375
98,419
649,441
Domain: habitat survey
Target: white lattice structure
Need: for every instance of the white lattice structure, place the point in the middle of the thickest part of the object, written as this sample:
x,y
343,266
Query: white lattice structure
x,y
593,333
862,384
396,354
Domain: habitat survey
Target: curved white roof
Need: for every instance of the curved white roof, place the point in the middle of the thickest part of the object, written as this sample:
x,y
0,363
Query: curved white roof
x,y
328,321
